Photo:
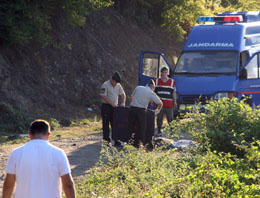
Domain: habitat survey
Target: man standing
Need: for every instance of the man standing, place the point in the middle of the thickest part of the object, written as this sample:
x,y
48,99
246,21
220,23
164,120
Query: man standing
x,y
38,168
141,97
110,90
165,89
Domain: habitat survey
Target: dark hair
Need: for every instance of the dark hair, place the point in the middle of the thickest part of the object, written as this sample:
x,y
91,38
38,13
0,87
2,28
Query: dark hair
x,y
117,77
40,127
164,69
151,83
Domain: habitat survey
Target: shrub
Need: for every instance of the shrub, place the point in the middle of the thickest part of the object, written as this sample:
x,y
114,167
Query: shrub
x,y
54,124
11,121
213,171
133,173
226,125
136,173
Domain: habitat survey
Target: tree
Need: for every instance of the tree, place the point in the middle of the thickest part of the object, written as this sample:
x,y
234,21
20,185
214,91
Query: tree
x,y
23,21
180,16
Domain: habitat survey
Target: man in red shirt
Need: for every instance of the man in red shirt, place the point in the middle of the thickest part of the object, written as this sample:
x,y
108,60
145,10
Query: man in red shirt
x,y
165,89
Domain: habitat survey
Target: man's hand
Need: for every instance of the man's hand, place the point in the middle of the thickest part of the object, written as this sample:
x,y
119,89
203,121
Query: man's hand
x,y
108,101
157,111
175,105
122,105
114,105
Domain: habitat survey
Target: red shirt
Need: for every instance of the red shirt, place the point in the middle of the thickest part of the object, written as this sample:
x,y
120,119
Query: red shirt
x,y
165,91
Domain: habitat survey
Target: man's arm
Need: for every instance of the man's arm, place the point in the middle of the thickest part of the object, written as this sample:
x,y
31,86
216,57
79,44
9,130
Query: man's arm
x,y
174,99
68,185
159,107
8,185
123,98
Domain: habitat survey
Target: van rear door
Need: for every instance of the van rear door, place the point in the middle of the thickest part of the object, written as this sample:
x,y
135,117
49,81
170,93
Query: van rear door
x,y
150,64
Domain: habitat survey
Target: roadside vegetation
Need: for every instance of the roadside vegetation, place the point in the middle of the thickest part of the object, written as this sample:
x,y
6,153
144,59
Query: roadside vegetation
x,y
225,163
25,22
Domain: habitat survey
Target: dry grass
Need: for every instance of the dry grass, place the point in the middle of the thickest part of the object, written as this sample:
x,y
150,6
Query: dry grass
x,y
76,131
79,128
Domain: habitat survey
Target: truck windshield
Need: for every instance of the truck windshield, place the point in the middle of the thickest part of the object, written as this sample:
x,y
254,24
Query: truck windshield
x,y
224,62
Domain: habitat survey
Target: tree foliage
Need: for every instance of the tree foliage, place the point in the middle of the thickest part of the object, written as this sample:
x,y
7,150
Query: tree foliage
x,y
141,10
23,21
180,16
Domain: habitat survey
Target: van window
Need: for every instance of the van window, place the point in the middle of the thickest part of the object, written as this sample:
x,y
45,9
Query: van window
x,y
253,68
253,30
152,64
207,62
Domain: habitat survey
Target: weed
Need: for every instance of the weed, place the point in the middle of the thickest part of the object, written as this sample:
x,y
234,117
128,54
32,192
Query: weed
x,y
54,123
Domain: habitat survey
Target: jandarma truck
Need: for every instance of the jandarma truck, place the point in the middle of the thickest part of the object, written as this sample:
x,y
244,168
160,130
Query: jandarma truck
x,y
220,58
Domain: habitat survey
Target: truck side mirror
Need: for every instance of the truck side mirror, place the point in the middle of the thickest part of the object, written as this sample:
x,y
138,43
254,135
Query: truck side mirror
x,y
243,74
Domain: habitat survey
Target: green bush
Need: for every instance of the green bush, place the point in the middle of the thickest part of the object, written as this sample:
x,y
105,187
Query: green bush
x,y
224,175
216,168
136,173
54,124
227,125
12,122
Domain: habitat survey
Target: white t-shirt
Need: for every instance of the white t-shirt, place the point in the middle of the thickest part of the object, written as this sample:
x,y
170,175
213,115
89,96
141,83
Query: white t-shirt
x,y
142,96
111,92
38,166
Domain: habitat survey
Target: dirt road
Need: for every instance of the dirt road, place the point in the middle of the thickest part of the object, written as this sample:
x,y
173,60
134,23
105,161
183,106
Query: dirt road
x,y
83,153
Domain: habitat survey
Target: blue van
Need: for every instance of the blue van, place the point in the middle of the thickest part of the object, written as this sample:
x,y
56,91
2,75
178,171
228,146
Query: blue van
x,y
220,58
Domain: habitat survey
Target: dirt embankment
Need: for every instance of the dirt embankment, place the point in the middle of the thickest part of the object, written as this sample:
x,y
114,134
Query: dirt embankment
x,y
63,80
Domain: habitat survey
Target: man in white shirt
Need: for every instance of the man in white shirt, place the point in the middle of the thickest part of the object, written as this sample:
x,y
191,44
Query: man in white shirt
x,y
38,168
141,97
110,91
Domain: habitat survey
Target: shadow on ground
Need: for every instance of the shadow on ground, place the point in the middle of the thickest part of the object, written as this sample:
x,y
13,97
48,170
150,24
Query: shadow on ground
x,y
86,155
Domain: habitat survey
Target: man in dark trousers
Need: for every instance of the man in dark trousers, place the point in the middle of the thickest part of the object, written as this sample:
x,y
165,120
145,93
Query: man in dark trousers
x,y
110,90
141,97
165,89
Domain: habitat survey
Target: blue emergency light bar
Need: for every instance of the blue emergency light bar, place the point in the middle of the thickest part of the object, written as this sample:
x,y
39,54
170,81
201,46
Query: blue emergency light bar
x,y
221,19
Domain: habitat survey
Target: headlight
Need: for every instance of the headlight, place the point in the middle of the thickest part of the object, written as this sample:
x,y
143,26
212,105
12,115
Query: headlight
x,y
220,95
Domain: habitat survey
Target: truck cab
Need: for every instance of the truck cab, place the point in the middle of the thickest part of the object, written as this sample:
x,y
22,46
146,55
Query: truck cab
x,y
220,58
